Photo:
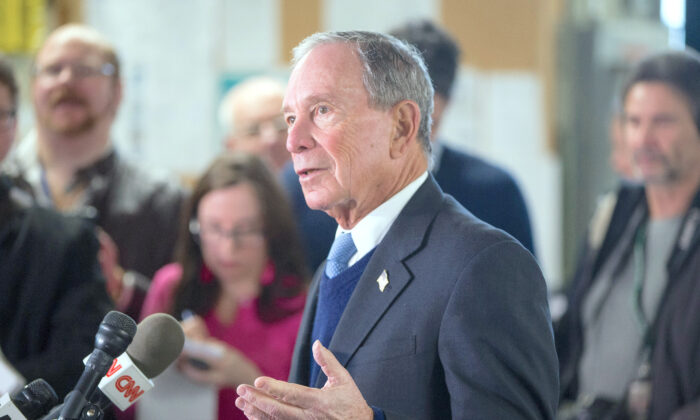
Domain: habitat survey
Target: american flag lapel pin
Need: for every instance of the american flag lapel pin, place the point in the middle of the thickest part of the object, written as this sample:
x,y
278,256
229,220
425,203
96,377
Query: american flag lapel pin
x,y
383,280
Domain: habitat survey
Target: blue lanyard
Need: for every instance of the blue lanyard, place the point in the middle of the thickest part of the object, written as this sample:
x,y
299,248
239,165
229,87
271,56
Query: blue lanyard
x,y
45,186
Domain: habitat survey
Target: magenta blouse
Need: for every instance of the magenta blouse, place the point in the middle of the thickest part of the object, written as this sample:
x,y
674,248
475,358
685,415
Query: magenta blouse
x,y
268,345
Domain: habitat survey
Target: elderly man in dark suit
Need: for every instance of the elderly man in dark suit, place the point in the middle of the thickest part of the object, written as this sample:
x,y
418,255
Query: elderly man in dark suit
x,y
485,189
421,310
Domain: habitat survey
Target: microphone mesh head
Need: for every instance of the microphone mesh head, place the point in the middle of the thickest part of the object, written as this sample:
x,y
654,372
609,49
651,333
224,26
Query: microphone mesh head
x,y
40,388
35,399
158,342
121,321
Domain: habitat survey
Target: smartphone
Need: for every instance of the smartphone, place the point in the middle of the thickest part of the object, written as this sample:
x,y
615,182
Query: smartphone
x,y
198,363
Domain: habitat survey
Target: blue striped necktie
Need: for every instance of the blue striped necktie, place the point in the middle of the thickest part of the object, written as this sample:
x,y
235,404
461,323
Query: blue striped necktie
x,y
342,250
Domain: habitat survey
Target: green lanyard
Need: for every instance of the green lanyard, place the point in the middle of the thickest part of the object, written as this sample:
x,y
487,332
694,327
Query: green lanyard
x,y
639,268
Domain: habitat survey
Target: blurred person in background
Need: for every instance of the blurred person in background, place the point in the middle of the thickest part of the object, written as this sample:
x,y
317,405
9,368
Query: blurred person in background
x,y
72,165
628,342
52,293
239,280
251,113
488,191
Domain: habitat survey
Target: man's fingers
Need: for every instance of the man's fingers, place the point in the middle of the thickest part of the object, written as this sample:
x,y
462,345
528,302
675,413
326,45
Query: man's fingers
x,y
258,404
335,372
293,394
250,411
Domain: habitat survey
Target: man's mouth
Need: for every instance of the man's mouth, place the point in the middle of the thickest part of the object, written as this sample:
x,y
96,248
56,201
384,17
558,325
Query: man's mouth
x,y
68,101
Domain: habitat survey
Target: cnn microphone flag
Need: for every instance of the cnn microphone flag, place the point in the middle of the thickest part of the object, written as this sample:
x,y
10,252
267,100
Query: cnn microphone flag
x,y
124,383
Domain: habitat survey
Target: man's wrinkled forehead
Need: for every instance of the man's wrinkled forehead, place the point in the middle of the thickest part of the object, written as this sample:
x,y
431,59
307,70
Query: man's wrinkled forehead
x,y
327,71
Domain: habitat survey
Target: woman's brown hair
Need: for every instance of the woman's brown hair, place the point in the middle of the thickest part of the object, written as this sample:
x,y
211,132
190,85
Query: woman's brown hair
x,y
283,245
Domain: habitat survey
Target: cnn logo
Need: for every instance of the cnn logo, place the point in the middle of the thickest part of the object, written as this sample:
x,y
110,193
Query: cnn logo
x,y
127,386
124,383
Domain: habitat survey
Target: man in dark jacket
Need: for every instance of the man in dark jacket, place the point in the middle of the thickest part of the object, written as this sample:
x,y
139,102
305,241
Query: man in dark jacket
x,y
486,190
52,294
628,343
72,165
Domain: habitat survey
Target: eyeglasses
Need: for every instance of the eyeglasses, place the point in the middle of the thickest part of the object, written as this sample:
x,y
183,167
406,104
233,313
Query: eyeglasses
x,y
77,70
242,237
7,118
272,125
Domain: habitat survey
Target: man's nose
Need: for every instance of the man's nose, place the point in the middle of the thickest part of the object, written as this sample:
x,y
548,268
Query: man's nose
x,y
66,74
644,135
299,136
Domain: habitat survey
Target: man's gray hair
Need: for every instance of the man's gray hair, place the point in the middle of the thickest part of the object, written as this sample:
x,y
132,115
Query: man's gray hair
x,y
393,71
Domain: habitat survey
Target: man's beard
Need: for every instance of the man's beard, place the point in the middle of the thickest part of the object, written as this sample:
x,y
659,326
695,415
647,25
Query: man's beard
x,y
665,172
73,127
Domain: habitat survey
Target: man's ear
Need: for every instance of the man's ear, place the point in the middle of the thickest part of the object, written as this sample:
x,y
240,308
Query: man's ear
x,y
406,116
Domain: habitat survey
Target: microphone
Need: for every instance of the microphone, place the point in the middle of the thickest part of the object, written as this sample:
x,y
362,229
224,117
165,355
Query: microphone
x,y
158,342
29,403
113,336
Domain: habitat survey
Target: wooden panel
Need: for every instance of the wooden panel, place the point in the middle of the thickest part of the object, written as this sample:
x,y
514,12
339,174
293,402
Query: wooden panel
x,y
495,34
550,17
67,11
300,18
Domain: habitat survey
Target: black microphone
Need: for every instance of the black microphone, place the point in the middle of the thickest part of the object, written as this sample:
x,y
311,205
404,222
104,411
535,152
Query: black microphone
x,y
29,403
158,342
113,336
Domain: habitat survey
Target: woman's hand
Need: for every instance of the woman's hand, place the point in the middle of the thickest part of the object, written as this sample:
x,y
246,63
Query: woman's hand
x,y
195,328
222,365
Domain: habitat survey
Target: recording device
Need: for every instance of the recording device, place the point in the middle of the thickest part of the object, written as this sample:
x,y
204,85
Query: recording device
x,y
198,363
113,336
195,350
29,403
158,342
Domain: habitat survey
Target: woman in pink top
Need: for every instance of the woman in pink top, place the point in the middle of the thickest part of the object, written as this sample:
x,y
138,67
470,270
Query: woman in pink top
x,y
239,279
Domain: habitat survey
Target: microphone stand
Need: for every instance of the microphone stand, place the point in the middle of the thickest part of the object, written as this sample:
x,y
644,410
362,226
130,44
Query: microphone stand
x,y
90,411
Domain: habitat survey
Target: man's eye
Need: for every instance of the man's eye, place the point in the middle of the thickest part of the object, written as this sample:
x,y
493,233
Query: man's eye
x,y
290,120
323,109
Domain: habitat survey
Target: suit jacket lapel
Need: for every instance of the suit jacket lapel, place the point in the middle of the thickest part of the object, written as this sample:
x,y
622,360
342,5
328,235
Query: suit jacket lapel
x,y
367,303
301,360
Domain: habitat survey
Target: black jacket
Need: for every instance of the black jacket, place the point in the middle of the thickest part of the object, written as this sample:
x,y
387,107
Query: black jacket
x,y
52,294
676,329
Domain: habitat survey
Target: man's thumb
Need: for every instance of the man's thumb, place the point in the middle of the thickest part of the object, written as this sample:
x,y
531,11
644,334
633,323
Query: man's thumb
x,y
334,371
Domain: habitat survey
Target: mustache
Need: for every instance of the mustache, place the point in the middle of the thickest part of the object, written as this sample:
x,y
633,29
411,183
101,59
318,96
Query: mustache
x,y
66,95
648,154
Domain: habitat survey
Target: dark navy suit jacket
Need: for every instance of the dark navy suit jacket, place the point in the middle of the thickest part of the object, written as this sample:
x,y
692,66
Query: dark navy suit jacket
x,y
462,330
488,191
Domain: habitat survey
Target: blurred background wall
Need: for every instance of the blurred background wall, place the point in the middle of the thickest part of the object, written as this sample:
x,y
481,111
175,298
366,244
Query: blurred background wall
x,y
535,92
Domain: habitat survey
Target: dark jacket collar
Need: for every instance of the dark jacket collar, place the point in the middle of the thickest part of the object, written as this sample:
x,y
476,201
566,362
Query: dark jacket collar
x,y
632,207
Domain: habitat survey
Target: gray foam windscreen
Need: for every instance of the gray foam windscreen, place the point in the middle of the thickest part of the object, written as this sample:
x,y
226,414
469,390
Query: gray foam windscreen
x,y
158,342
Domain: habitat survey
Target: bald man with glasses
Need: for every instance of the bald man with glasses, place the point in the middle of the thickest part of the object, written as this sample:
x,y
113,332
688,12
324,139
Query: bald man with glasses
x,y
73,166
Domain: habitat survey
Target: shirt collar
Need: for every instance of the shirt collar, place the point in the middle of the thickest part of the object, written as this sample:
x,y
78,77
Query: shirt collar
x,y
370,231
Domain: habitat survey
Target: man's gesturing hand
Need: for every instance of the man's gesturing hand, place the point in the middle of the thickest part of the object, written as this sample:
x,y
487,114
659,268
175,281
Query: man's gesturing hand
x,y
338,399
